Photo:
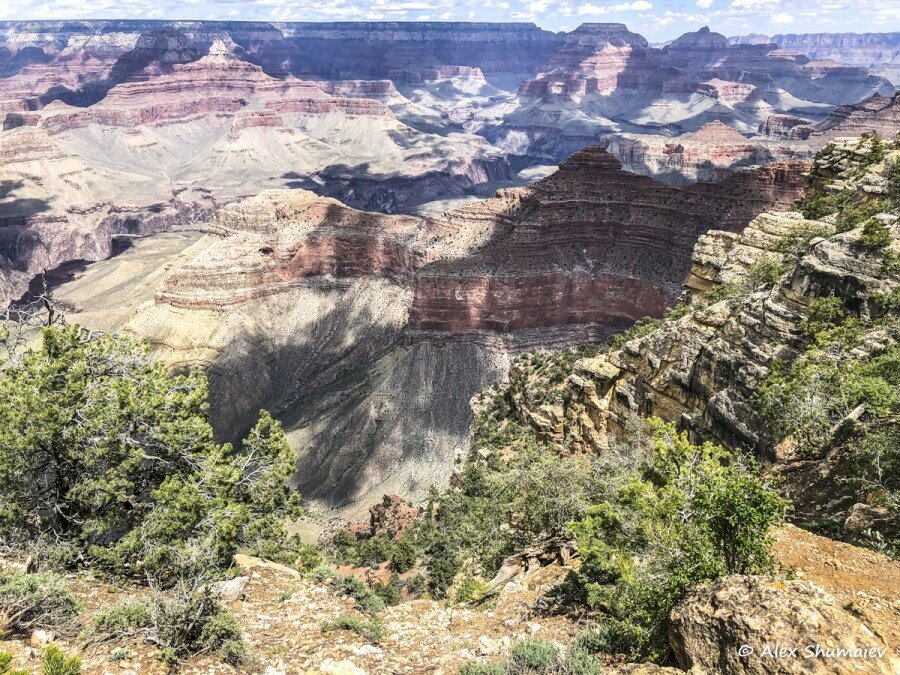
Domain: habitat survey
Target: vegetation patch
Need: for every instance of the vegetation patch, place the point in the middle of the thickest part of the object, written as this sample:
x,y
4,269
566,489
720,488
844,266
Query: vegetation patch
x,y
32,601
370,629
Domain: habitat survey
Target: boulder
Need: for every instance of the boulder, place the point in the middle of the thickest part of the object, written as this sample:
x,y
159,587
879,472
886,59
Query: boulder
x,y
745,624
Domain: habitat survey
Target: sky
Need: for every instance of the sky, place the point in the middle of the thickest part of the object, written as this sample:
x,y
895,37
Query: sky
x,y
657,20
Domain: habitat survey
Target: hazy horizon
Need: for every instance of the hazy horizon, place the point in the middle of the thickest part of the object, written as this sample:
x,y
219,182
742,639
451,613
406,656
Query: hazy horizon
x,y
656,20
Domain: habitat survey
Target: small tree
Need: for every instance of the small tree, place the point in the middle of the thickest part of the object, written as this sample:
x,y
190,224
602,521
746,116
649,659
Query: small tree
x,y
683,514
101,449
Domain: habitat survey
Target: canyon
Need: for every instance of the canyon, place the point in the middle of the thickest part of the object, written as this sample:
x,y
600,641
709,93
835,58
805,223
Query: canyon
x,y
513,287
118,127
296,179
367,334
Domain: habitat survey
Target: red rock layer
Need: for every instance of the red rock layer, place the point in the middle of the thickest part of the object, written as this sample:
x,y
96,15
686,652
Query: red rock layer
x,y
590,245
590,248
277,239
217,84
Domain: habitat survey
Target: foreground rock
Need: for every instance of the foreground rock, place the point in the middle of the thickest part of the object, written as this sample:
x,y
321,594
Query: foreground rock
x,y
280,614
743,625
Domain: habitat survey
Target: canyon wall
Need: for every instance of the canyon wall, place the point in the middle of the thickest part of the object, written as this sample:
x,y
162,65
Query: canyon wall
x,y
878,51
367,334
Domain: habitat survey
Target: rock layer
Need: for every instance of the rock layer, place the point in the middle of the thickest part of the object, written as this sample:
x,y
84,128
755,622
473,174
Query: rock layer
x,y
367,334
592,246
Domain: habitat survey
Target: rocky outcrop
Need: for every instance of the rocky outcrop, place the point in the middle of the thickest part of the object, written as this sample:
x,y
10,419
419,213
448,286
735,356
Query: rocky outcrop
x,y
742,624
707,155
391,517
785,126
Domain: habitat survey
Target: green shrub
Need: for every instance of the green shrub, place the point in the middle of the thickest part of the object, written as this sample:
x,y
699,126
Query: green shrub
x,y
191,620
533,655
124,619
893,176
372,629
578,662
807,398
764,273
471,589
372,551
718,294
824,314
6,665
442,569
322,572
403,555
389,592
292,552
679,514
816,204
796,243
641,328
678,311
875,235
853,216
30,601
875,455
102,449
56,663
356,588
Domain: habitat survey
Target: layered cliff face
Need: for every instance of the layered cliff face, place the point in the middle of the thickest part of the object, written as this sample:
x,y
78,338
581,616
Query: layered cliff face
x,y
751,303
55,207
876,114
709,154
181,137
531,92
878,51
716,149
585,250
609,80
367,334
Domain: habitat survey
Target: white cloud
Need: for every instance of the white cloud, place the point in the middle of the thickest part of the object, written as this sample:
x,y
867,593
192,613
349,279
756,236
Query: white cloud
x,y
638,6
539,6
782,17
705,4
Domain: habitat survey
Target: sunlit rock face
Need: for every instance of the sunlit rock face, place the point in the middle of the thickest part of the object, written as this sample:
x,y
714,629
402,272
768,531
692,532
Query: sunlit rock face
x,y
606,79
